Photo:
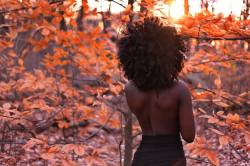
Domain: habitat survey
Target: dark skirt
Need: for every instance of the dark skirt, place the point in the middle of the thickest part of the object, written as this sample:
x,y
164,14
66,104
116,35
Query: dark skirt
x,y
160,150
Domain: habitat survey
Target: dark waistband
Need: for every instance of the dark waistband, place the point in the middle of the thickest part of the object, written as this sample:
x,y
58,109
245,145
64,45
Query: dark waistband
x,y
161,139
162,136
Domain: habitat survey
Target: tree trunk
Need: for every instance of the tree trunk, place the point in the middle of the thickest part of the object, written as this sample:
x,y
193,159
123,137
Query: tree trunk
x,y
63,25
204,4
143,8
3,30
79,19
131,2
106,22
186,7
246,12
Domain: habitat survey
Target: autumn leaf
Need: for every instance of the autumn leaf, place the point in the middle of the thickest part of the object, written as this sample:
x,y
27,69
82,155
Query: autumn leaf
x,y
63,124
79,150
68,147
232,118
69,163
32,142
217,82
48,156
219,113
89,100
213,120
128,9
20,62
206,116
54,149
212,156
216,131
221,104
247,137
125,18
224,140
6,106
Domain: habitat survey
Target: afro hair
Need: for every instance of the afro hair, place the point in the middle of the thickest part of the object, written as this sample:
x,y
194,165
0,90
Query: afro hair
x,y
151,54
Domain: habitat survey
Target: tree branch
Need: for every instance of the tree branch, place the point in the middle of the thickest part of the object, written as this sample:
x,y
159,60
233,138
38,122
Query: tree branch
x,y
100,128
226,98
243,158
216,38
221,60
117,3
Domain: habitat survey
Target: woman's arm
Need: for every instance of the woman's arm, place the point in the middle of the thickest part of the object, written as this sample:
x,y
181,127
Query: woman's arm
x,y
186,117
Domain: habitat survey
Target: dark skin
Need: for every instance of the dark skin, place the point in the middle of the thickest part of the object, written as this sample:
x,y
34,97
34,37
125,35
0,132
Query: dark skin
x,y
166,111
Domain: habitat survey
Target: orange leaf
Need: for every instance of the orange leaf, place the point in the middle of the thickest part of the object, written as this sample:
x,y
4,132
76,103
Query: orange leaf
x,y
69,163
45,32
63,124
224,140
206,116
12,54
89,100
213,120
6,106
128,9
220,103
79,150
216,131
232,118
54,149
48,156
212,156
219,113
68,147
20,62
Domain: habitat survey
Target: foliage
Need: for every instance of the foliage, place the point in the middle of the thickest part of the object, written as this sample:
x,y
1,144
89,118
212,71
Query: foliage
x,y
55,78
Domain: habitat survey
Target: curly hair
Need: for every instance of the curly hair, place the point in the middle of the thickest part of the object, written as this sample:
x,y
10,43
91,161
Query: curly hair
x,y
151,54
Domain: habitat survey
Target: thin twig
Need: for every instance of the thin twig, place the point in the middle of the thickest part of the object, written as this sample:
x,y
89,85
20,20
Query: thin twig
x,y
100,128
117,3
221,60
226,98
216,38
243,158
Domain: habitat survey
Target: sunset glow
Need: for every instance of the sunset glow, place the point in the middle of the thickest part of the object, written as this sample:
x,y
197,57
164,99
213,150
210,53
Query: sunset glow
x,y
176,8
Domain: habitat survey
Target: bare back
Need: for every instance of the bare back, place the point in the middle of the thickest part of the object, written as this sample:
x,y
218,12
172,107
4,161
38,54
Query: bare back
x,y
168,111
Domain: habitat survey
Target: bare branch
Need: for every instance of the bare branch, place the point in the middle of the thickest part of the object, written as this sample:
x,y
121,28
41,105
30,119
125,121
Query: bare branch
x,y
221,60
216,38
117,3
243,158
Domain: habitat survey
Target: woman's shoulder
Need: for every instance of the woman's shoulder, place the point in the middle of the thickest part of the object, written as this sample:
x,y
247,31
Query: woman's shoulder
x,y
182,84
183,88
130,87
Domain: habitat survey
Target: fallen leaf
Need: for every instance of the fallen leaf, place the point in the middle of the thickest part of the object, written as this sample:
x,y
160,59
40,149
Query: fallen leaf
x,y
212,156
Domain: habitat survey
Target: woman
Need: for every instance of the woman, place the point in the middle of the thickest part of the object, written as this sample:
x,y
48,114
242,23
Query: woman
x,y
152,56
